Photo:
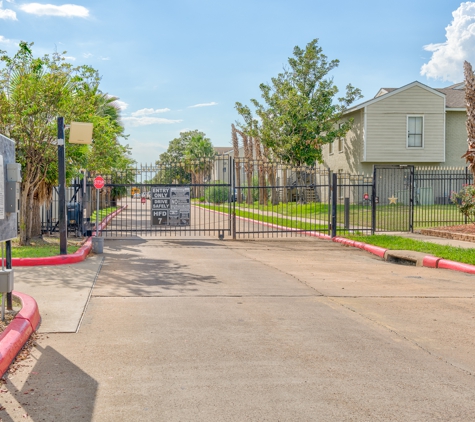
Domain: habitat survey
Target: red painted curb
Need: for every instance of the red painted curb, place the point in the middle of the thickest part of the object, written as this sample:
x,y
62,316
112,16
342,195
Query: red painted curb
x,y
430,261
19,330
12,340
376,250
78,256
456,266
29,309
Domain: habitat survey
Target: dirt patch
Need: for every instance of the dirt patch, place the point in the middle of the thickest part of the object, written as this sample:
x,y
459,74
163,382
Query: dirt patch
x,y
465,232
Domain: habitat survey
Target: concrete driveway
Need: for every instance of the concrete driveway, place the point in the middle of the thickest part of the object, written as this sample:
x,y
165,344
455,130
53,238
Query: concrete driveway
x,y
268,330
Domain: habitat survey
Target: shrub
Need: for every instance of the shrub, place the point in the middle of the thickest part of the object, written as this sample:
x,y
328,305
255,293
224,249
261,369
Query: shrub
x,y
465,201
216,194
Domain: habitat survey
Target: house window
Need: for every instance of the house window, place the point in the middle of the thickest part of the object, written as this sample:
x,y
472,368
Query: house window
x,y
330,148
415,132
341,142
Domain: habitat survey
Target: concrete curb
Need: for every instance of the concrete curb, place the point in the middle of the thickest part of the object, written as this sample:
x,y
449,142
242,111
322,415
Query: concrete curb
x,y
19,330
428,261
78,256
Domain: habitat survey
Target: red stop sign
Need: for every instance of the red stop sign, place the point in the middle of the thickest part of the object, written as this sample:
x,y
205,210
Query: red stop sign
x,y
99,182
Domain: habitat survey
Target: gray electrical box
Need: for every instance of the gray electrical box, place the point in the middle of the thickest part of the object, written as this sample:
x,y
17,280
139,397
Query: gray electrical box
x,y
14,172
6,281
12,197
10,178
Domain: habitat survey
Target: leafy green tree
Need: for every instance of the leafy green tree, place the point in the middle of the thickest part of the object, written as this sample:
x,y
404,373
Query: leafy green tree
x,y
300,110
33,93
181,162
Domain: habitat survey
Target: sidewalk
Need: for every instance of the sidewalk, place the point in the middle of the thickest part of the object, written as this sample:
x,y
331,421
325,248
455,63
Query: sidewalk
x,y
61,291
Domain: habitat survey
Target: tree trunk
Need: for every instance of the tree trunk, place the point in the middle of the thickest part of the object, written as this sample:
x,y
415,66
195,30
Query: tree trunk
x,y
36,219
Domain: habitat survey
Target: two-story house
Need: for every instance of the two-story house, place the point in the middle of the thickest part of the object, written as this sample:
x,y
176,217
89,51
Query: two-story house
x,y
414,124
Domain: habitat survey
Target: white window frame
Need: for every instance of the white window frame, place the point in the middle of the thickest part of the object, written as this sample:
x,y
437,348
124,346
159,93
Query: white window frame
x,y
407,131
341,142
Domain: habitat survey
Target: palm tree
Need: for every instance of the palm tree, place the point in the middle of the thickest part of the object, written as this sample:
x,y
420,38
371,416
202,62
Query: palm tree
x,y
199,154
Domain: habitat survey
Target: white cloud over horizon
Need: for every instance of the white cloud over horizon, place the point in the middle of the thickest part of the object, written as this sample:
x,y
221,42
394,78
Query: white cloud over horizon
x,y
447,58
65,10
147,120
204,105
149,111
121,104
7,13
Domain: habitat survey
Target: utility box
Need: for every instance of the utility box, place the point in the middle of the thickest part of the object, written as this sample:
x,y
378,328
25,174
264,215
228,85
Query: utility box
x,y
12,197
6,281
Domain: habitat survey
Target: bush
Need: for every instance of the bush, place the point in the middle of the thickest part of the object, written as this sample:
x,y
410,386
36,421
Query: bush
x,y
465,201
216,194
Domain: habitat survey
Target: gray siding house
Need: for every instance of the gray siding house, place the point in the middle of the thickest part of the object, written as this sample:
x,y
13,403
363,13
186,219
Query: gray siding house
x,y
414,124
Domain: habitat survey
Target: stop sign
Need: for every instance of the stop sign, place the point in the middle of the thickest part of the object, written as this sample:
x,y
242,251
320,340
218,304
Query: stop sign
x,y
99,182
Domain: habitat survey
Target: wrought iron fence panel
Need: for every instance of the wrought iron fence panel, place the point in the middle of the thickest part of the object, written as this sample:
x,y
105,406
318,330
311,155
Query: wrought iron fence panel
x,y
276,199
393,198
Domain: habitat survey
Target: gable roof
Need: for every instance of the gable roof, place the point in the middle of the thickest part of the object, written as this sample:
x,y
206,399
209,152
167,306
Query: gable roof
x,y
391,91
222,150
454,95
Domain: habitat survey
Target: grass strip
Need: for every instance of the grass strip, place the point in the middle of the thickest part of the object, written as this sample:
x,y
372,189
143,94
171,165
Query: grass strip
x,y
453,253
103,213
39,251
279,221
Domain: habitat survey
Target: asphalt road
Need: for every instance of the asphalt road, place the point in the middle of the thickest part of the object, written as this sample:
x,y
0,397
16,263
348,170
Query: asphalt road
x,y
267,330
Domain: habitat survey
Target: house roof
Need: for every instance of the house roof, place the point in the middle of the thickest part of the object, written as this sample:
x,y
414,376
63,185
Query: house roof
x,y
454,95
222,150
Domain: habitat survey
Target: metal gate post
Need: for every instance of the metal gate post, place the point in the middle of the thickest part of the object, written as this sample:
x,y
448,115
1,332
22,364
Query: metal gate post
x,y
334,190
411,199
234,196
373,202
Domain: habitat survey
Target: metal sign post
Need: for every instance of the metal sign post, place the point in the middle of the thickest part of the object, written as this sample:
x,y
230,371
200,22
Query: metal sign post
x,y
98,242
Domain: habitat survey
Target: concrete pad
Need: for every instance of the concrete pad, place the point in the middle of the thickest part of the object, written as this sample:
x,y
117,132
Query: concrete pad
x,y
443,326
62,292
336,270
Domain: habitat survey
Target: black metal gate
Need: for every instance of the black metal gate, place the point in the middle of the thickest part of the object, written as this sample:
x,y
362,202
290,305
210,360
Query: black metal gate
x,y
172,199
393,198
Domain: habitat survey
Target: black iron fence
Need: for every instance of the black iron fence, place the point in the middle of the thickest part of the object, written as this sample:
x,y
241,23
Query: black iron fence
x,y
252,198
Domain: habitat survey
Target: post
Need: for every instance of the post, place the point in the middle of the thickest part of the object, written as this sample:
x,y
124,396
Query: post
x,y
347,213
373,202
63,229
9,267
334,202
97,211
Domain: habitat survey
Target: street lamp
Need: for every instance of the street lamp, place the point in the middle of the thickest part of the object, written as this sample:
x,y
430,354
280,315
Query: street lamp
x,y
80,133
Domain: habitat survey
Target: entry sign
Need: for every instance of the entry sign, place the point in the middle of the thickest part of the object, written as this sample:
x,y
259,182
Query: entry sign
x,y
99,182
170,205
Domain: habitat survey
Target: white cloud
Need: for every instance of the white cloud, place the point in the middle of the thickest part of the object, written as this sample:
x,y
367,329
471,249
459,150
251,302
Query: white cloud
x,y
70,58
147,120
121,104
203,105
65,10
4,40
149,111
87,55
447,58
7,13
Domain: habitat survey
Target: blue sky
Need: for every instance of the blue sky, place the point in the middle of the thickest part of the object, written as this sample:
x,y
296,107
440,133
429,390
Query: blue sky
x,y
182,65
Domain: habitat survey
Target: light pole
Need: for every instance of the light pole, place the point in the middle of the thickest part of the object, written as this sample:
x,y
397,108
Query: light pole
x,y
80,133
63,227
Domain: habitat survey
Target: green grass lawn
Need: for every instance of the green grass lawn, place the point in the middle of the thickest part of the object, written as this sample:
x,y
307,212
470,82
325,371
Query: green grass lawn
x,y
39,251
278,220
102,214
453,253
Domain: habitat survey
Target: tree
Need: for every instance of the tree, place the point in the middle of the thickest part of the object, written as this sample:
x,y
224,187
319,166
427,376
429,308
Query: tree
x,y
470,123
199,154
186,160
300,112
33,93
